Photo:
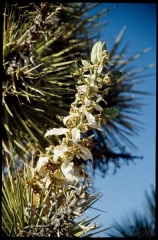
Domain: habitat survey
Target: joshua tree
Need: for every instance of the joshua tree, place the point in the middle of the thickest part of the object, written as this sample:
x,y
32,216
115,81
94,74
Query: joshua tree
x,y
45,198
42,43
40,46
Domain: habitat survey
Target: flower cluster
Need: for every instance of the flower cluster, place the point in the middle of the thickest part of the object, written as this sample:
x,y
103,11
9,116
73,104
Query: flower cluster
x,y
64,163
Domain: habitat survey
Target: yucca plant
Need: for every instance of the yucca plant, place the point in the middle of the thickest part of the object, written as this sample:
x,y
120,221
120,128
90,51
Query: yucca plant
x,y
40,43
31,103
37,85
44,199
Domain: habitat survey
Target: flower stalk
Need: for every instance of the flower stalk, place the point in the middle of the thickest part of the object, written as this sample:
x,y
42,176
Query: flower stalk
x,y
57,186
62,165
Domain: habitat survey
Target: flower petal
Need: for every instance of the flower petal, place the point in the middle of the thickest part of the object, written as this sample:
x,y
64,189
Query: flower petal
x,y
98,108
86,153
56,131
92,77
92,122
100,98
87,101
68,117
40,165
90,118
82,88
68,170
75,135
59,150
46,181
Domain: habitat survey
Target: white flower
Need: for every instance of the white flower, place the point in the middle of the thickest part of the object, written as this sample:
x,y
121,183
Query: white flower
x,y
40,165
87,101
75,135
68,170
98,107
82,88
59,151
86,153
93,103
56,131
91,77
70,116
46,181
100,98
92,122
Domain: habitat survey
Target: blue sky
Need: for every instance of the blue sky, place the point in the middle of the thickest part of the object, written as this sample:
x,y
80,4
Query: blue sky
x,y
124,191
